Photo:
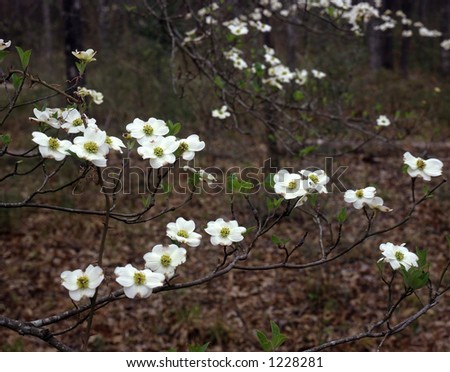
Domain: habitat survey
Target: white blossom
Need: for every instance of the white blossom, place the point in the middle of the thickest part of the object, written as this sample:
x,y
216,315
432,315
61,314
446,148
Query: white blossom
x,y
290,186
315,181
97,97
360,197
82,283
4,44
189,146
147,131
204,176
138,282
183,232
225,233
50,116
318,74
377,204
73,121
85,56
160,151
221,113
114,143
418,167
165,259
91,146
446,44
397,256
51,147
383,121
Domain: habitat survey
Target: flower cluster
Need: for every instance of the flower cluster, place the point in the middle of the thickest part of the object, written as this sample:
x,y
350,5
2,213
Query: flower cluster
x,y
299,185
92,144
160,263
160,150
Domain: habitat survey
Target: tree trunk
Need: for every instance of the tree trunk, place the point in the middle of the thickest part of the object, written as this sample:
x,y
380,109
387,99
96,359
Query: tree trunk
x,y
72,38
445,54
406,7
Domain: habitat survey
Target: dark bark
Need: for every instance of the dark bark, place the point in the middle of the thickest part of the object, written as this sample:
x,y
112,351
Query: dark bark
x,y
445,54
73,38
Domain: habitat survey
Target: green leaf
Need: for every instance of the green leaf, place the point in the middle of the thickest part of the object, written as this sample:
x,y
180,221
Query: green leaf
x,y
298,95
278,338
405,168
17,80
198,348
5,139
306,151
312,198
146,201
24,56
3,54
263,341
166,188
219,82
174,128
81,67
235,185
342,216
194,179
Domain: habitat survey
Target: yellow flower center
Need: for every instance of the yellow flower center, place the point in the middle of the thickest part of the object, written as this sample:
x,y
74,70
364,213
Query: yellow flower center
x,y
77,122
184,146
224,232
158,151
314,178
359,193
91,147
165,260
53,144
139,278
148,130
108,140
292,185
183,234
420,164
399,256
83,282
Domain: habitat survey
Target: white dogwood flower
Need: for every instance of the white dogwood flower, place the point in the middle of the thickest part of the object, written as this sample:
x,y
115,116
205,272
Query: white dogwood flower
x,y
183,231
221,113
204,176
225,233
316,180
290,186
138,282
398,255
377,204
189,146
422,168
85,56
48,116
114,143
383,121
51,147
318,74
91,146
72,121
97,97
160,152
4,44
165,259
82,283
360,197
147,131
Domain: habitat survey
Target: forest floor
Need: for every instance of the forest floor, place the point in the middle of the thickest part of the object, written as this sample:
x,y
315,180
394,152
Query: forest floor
x,y
311,307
